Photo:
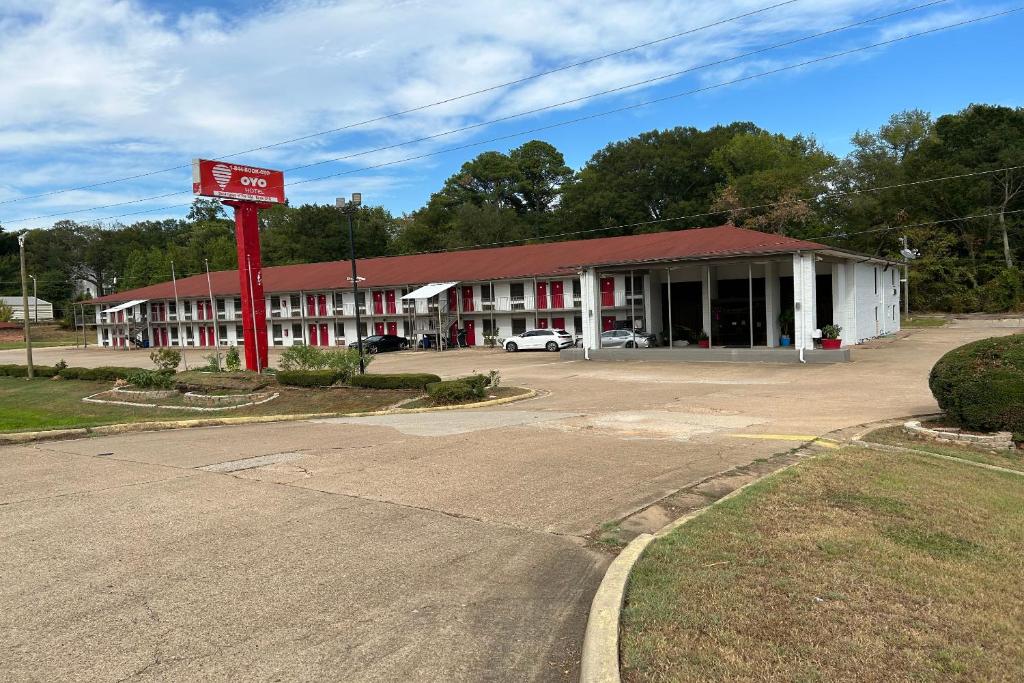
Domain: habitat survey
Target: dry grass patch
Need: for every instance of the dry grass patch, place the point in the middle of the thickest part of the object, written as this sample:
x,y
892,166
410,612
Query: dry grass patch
x,y
857,565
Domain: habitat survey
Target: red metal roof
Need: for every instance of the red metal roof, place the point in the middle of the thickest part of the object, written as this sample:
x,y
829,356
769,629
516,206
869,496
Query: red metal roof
x,y
500,263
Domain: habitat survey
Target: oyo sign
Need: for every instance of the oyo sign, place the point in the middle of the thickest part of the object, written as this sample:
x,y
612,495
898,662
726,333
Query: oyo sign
x,y
232,181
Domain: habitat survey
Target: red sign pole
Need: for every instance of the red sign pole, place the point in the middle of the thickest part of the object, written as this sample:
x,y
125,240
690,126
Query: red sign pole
x,y
250,280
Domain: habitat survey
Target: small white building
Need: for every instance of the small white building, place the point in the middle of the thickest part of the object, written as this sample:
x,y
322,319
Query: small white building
x,y
739,287
38,310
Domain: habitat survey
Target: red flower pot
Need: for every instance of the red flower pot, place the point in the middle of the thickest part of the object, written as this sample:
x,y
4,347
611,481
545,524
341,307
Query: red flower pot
x,y
704,343
831,343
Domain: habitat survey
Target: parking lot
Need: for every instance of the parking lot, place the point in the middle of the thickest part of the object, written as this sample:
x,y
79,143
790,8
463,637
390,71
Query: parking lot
x,y
434,546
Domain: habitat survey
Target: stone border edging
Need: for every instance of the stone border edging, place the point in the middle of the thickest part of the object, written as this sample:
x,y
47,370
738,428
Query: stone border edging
x,y
599,661
265,398
154,426
1000,440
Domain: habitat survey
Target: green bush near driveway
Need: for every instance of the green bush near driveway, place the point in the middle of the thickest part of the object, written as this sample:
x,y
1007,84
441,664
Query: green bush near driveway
x,y
980,386
308,378
418,380
455,391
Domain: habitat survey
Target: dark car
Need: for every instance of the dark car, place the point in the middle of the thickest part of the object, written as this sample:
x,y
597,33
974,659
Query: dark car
x,y
376,343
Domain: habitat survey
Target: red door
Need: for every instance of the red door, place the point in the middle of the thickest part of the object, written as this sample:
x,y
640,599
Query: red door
x,y
470,333
310,305
467,298
210,336
558,323
542,295
452,299
542,323
453,335
324,340
202,336
321,305
393,328
608,291
378,328
312,335
378,303
163,337
607,323
390,299
557,294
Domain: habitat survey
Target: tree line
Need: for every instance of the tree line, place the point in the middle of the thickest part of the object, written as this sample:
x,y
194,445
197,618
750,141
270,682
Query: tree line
x,y
968,228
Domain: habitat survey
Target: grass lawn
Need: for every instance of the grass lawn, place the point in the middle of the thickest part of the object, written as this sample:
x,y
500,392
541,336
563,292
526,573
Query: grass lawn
x,y
855,565
924,321
897,436
48,335
29,405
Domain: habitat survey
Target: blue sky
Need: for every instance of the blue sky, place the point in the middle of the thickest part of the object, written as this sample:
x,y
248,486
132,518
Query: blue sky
x,y
101,90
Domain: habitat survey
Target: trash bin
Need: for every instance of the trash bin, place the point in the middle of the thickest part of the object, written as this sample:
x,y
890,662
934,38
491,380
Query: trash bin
x,y
426,342
145,343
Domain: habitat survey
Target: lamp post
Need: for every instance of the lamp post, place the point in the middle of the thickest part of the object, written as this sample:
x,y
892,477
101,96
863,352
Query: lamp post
x,y
35,300
348,208
24,306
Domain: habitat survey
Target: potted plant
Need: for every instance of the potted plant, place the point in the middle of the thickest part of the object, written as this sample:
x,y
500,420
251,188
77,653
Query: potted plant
x,y
830,337
786,319
704,341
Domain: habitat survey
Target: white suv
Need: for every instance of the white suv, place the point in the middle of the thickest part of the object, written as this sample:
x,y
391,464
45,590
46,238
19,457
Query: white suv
x,y
549,340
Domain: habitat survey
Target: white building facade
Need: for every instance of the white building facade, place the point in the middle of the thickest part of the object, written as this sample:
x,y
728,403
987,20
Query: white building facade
x,y
674,289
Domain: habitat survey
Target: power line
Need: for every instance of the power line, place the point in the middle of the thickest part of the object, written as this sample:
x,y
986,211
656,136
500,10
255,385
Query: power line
x,y
421,107
587,117
482,124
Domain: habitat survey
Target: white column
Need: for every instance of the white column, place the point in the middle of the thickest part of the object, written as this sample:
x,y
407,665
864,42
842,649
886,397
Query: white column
x,y
771,303
590,308
804,299
708,291
649,290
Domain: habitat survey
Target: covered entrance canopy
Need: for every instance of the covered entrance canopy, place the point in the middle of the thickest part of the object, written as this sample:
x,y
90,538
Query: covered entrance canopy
x,y
430,290
127,304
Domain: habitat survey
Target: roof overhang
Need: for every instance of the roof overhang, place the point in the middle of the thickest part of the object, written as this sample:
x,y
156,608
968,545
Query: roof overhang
x,y
126,304
430,290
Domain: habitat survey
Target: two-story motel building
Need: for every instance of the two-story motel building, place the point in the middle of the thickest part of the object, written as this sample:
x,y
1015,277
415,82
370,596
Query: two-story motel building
x,y
730,282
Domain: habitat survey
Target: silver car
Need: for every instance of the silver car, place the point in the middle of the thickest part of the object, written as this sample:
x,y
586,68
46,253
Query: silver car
x,y
627,339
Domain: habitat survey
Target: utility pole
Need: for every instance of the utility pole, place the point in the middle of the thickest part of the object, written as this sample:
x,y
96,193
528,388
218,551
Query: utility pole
x,y
908,256
349,207
24,306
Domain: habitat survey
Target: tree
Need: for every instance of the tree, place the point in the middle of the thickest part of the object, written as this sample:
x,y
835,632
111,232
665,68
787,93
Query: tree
x,y
654,176
782,177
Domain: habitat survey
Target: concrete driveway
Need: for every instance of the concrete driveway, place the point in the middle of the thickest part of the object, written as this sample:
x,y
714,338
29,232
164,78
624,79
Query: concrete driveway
x,y
437,546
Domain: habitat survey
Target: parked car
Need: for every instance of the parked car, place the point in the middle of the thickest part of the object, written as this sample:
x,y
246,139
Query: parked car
x,y
628,339
377,343
549,340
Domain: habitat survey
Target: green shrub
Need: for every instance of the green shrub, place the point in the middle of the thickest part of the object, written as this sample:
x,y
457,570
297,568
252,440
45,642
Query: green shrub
x,y
396,381
308,378
22,370
232,361
166,359
151,379
455,391
980,385
343,361
107,373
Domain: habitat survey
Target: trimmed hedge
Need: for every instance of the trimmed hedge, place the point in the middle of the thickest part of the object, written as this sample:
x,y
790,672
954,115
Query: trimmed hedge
x,y
308,378
105,373
396,381
455,391
22,370
980,385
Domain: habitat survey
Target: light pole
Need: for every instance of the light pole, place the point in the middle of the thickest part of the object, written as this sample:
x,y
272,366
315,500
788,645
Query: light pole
x,y
35,300
24,306
349,207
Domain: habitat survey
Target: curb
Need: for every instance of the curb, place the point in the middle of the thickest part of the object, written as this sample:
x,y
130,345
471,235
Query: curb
x,y
155,426
914,451
600,653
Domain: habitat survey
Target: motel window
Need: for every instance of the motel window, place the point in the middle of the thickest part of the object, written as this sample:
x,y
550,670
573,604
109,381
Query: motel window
x,y
278,334
518,325
635,286
518,296
295,303
172,310
297,333
489,327
239,334
275,306
361,301
238,308
406,328
487,296
339,330
222,308
362,329
577,293
577,325
339,306
222,332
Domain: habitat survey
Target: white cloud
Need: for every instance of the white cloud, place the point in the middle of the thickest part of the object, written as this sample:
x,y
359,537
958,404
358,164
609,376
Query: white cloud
x,y
94,89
